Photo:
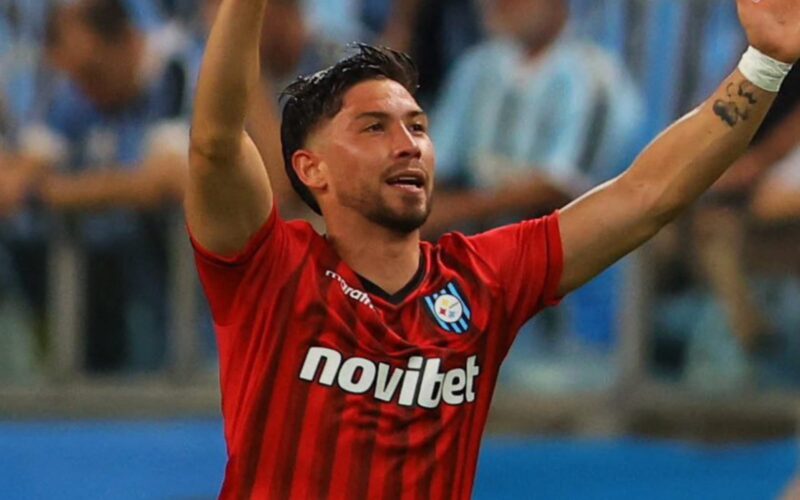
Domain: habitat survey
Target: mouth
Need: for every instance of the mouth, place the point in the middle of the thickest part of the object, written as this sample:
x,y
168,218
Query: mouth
x,y
409,181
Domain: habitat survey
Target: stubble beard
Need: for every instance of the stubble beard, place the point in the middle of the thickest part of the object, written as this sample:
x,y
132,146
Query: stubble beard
x,y
377,210
399,223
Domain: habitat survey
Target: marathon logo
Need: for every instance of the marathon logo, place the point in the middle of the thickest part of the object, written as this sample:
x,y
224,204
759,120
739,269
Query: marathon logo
x,y
421,383
357,295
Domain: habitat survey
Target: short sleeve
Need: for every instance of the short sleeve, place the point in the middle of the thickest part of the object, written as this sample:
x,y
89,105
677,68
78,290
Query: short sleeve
x,y
527,260
227,279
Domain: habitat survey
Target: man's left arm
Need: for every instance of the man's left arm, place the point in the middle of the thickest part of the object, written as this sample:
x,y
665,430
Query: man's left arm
x,y
603,226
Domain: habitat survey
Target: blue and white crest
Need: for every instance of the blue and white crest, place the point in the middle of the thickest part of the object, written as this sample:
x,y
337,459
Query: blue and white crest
x,y
449,309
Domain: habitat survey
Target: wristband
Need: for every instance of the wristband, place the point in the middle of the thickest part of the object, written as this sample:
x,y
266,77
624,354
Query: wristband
x,y
762,70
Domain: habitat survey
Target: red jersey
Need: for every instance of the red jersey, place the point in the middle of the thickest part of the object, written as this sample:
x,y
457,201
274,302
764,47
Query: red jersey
x,y
332,389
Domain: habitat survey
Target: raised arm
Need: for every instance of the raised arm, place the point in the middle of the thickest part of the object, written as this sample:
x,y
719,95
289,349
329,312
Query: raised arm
x,y
617,217
228,196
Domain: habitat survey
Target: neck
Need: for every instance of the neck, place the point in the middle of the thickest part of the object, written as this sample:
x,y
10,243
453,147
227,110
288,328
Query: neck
x,y
386,258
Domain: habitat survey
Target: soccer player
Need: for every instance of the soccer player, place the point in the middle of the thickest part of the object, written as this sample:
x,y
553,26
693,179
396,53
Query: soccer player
x,y
361,364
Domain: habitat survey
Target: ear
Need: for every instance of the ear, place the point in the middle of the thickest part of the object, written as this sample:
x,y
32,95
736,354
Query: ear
x,y
310,169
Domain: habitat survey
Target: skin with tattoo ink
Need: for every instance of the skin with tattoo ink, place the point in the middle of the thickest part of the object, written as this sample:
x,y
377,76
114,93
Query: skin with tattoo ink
x,y
734,109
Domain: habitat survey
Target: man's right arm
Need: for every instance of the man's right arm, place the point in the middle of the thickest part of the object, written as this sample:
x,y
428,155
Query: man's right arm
x,y
228,196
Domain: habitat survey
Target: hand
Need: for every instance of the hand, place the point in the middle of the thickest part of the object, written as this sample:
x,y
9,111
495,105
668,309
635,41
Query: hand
x,y
772,26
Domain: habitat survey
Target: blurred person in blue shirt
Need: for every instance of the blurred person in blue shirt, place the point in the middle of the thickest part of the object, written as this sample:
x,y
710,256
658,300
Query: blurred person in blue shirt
x,y
109,153
338,21
528,120
434,32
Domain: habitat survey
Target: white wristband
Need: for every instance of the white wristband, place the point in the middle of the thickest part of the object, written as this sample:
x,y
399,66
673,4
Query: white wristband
x,y
762,70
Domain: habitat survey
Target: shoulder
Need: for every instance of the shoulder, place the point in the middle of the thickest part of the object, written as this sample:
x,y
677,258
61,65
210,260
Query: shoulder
x,y
303,231
288,242
465,252
277,241
612,81
591,70
488,245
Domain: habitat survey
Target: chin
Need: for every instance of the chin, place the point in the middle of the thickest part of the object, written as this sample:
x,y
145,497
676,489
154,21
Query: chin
x,y
403,223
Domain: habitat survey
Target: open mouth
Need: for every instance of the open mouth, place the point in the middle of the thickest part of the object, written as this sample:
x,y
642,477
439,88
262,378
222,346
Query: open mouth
x,y
410,181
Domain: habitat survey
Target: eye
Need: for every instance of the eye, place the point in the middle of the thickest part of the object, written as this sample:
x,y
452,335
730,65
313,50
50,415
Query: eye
x,y
419,127
375,127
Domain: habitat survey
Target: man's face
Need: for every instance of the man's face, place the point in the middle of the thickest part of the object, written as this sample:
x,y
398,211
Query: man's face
x,y
377,157
105,72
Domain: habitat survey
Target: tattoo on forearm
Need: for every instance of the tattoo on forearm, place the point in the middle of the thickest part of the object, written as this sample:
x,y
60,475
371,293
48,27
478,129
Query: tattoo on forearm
x,y
736,107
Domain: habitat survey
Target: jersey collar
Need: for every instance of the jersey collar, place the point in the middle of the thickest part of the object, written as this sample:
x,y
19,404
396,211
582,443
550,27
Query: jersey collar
x,y
399,296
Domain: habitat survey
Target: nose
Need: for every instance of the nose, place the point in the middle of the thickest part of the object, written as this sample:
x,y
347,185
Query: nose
x,y
405,143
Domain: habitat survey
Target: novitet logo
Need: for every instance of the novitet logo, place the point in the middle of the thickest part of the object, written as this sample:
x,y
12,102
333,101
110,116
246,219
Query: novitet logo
x,y
421,383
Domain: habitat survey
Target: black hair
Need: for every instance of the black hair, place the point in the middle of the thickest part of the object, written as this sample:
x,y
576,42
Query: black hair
x,y
108,19
309,100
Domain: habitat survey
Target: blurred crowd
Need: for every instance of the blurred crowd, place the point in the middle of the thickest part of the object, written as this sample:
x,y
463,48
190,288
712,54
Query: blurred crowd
x,y
532,103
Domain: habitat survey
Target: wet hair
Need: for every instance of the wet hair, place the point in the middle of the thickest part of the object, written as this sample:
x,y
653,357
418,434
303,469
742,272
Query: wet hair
x,y
310,100
108,19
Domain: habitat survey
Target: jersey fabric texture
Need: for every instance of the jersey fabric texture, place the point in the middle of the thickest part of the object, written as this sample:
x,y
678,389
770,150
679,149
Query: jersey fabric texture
x,y
329,391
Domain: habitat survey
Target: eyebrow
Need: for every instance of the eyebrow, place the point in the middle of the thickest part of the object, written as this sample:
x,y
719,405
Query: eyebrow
x,y
382,116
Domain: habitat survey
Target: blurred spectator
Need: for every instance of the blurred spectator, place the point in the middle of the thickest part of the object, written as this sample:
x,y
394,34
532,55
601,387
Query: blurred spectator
x,y
18,351
435,33
185,10
114,139
776,153
337,21
18,360
21,330
288,49
21,29
746,334
145,14
677,50
528,120
777,197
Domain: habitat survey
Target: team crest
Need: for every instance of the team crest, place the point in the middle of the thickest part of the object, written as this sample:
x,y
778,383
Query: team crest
x,y
449,309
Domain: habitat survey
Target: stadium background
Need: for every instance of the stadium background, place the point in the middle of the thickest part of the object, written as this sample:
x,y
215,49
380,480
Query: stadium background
x,y
666,405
